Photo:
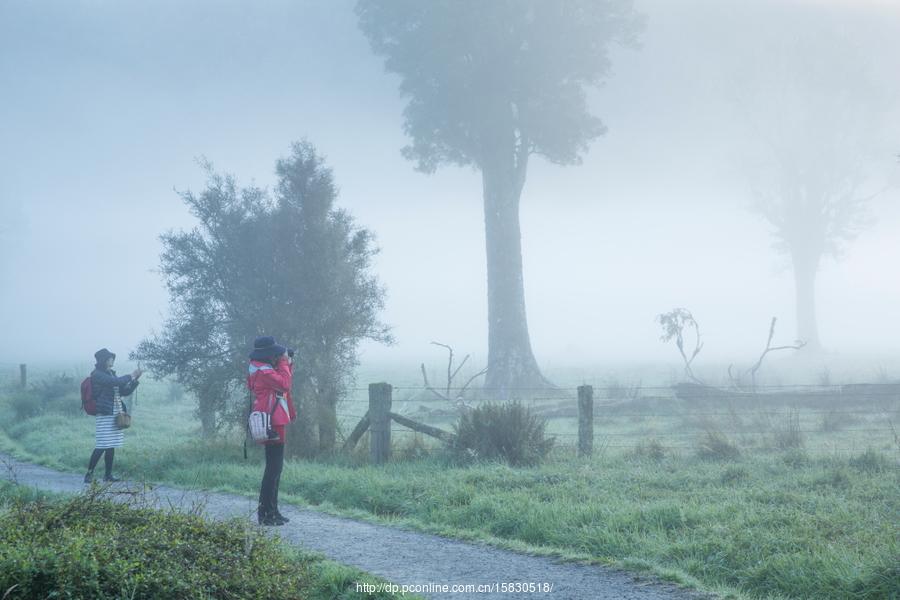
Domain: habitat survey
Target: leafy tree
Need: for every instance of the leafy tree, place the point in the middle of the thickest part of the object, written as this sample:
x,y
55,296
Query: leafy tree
x,y
819,116
288,264
490,84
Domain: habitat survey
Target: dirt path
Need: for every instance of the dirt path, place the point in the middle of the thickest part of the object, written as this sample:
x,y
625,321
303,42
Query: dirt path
x,y
400,556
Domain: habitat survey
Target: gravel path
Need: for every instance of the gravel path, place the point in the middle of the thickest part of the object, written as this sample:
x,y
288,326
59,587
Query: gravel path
x,y
403,557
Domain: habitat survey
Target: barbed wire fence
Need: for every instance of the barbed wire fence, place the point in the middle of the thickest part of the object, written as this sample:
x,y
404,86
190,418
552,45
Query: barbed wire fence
x,y
837,418
816,417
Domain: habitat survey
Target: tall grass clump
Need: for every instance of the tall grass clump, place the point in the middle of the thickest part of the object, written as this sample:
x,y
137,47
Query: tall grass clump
x,y
507,432
715,445
651,449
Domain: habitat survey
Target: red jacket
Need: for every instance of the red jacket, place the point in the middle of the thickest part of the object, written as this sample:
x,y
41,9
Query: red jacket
x,y
265,381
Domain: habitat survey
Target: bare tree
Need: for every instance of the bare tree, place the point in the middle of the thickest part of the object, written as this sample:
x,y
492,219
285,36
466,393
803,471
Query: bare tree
x,y
797,345
457,399
674,324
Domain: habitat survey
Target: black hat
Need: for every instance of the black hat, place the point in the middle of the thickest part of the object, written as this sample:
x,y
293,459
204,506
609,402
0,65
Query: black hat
x,y
102,355
265,348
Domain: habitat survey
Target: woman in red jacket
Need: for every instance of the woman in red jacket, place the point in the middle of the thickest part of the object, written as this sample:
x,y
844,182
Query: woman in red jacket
x,y
270,382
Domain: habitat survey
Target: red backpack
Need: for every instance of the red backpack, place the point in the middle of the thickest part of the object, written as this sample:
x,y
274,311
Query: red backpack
x,y
87,397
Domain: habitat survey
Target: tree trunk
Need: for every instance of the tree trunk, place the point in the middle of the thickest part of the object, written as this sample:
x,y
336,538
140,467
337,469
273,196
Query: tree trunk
x,y
806,269
511,362
207,412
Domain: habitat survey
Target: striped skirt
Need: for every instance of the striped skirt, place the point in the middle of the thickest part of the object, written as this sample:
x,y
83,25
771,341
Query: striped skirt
x,y
106,432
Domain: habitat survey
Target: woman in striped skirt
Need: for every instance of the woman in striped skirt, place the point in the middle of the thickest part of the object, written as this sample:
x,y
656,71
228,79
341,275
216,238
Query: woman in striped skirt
x,y
107,390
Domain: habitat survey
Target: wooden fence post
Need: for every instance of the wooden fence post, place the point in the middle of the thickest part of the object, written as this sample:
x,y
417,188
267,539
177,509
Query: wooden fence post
x,y
23,375
585,420
380,422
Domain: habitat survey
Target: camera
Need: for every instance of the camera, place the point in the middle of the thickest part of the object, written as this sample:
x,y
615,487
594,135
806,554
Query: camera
x,y
290,352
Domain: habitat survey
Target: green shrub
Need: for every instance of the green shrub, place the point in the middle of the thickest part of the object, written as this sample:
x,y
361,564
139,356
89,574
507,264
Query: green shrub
x,y
87,547
59,395
25,404
508,432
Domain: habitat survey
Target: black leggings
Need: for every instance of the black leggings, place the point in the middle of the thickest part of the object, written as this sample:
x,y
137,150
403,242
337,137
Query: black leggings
x,y
268,491
107,460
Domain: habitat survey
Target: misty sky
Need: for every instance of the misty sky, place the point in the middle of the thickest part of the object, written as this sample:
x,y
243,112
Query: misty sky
x,y
105,106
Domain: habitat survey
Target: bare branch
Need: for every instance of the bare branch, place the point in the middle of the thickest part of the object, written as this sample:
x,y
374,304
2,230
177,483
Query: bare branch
x,y
471,379
425,376
457,398
449,363
452,377
735,382
768,349
431,389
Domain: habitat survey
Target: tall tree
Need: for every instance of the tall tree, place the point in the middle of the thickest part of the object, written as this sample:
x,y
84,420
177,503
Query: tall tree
x,y
820,117
489,85
291,265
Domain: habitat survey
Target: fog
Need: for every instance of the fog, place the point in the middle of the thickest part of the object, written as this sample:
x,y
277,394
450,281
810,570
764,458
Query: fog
x,y
104,108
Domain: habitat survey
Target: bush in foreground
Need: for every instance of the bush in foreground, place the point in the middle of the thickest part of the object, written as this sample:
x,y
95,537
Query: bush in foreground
x,y
88,547
508,432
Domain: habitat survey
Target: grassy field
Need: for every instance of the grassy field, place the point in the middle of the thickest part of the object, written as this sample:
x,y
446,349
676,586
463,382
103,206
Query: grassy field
x,y
770,502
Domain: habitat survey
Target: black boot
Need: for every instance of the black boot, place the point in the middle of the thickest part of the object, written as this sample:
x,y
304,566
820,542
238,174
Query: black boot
x,y
89,477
